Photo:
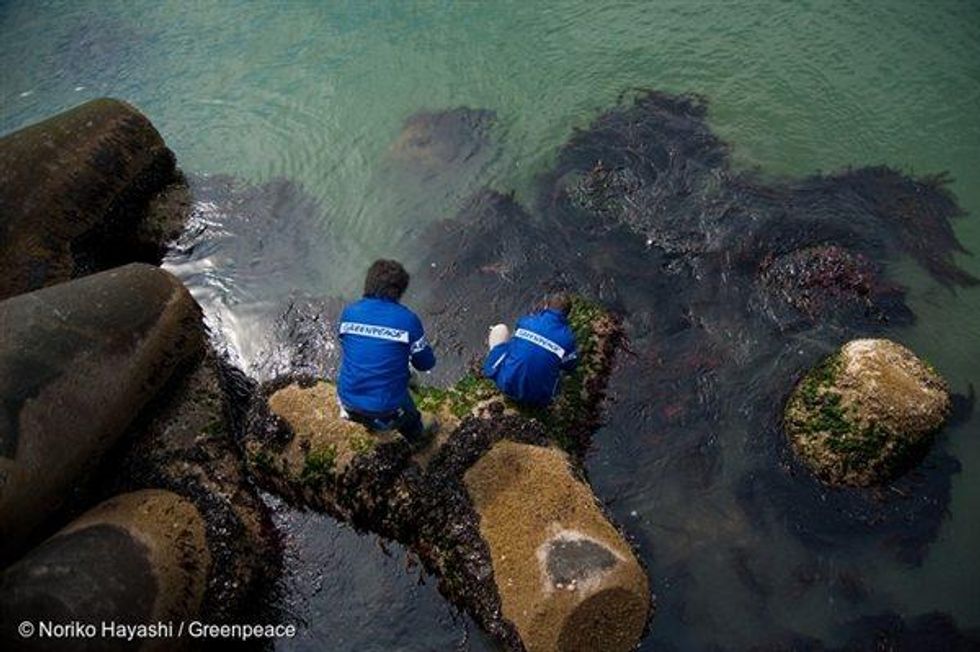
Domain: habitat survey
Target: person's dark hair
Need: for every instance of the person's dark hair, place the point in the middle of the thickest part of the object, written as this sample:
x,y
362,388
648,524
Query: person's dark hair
x,y
560,301
386,279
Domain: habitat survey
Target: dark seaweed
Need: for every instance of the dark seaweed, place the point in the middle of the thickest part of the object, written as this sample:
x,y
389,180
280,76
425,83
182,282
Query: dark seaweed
x,y
717,273
730,285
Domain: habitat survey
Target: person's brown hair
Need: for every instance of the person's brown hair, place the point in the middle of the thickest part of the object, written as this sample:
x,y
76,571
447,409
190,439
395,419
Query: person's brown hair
x,y
560,301
386,279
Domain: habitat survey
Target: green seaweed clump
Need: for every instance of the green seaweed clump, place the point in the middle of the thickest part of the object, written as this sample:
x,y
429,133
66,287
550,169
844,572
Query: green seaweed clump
x,y
361,443
318,466
460,399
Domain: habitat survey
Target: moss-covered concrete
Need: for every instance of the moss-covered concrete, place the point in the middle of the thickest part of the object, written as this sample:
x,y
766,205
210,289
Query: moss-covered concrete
x,y
137,558
184,441
566,577
325,443
73,193
78,362
867,413
297,447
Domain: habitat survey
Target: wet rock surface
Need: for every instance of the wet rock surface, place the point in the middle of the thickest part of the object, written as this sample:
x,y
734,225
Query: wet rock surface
x,y
110,393
185,442
73,194
78,363
867,413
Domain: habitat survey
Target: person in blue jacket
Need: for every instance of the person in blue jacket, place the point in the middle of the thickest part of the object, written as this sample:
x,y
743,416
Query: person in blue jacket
x,y
526,366
379,338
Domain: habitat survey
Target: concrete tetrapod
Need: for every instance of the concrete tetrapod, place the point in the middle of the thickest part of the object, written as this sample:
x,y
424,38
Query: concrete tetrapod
x,y
74,191
566,578
78,361
135,559
579,587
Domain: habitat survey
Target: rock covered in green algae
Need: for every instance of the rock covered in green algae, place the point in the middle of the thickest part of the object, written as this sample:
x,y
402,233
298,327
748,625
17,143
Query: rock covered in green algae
x,y
574,414
867,413
74,191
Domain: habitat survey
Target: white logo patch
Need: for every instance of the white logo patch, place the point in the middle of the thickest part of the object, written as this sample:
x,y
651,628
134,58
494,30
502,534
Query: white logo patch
x,y
543,342
377,332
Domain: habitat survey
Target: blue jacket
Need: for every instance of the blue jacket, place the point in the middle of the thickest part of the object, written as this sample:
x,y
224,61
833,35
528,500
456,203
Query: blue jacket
x,y
527,367
378,338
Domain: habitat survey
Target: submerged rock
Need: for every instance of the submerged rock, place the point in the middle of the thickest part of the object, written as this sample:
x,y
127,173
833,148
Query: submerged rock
x,y
448,502
867,413
799,288
431,141
136,559
78,363
73,195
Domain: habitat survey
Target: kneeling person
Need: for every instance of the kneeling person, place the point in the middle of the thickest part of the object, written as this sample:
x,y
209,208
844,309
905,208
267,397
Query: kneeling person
x,y
526,366
379,337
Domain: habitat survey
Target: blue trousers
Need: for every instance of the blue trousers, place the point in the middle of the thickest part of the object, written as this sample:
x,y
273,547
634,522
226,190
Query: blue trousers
x,y
406,419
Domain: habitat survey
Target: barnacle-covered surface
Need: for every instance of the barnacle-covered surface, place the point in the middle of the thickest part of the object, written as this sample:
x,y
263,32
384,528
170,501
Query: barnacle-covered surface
x,y
185,442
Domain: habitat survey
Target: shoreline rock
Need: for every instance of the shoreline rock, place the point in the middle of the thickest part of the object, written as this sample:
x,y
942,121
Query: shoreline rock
x,y
74,191
566,578
867,413
107,383
184,442
78,363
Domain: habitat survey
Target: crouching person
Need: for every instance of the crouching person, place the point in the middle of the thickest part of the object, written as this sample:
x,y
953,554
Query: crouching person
x,y
526,366
379,339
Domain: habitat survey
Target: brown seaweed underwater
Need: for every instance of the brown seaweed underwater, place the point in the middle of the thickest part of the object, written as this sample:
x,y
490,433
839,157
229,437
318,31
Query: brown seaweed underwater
x,y
730,285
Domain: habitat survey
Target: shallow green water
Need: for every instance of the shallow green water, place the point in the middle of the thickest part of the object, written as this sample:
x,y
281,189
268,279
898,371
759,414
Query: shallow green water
x,y
317,91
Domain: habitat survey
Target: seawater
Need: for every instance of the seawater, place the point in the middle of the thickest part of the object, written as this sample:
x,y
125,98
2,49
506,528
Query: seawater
x,y
315,92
